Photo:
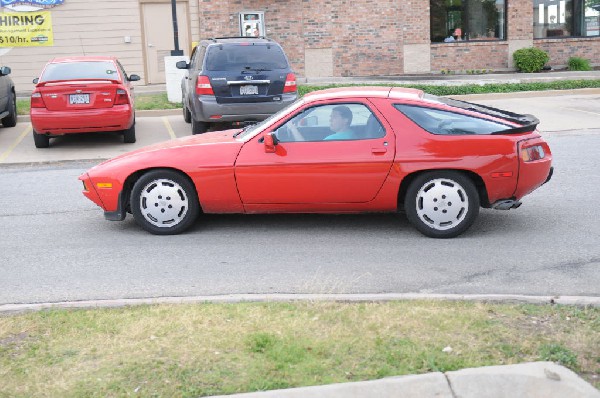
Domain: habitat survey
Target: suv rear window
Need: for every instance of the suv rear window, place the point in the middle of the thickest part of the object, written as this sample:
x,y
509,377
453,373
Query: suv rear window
x,y
245,56
80,70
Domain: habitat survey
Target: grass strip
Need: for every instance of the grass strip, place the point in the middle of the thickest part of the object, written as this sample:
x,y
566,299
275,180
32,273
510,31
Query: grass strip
x,y
208,349
160,101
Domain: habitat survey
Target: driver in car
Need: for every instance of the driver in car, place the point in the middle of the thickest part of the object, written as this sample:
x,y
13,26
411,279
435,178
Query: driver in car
x,y
340,120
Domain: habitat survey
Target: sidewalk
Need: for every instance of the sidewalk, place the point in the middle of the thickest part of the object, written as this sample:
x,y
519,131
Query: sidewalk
x,y
536,379
427,79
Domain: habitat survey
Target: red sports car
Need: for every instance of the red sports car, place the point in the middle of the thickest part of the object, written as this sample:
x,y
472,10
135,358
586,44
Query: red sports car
x,y
347,150
82,95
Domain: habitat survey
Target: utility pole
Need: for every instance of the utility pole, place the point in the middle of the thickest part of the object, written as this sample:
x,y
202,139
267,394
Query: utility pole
x,y
177,51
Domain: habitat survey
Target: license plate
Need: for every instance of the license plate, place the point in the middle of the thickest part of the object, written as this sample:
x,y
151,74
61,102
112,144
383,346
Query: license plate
x,y
248,90
75,99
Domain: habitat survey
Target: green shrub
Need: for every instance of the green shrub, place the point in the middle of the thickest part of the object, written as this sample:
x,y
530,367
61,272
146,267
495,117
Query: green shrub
x,y
576,63
530,59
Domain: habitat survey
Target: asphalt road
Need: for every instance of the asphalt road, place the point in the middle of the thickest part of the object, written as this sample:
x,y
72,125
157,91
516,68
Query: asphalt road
x,y
56,246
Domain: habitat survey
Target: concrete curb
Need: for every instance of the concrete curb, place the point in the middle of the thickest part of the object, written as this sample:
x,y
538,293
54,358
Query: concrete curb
x,y
534,379
240,298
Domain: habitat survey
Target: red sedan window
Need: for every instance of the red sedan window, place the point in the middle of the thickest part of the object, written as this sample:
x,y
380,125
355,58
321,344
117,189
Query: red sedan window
x,y
80,70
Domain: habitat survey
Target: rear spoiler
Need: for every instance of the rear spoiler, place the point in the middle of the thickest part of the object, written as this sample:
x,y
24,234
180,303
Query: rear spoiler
x,y
527,123
41,84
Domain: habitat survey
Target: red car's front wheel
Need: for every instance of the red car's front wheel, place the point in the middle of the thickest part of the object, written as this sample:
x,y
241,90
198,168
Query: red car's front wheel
x,y
164,202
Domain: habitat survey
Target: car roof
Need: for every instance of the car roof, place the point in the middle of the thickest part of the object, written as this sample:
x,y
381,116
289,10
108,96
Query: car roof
x,y
86,58
366,91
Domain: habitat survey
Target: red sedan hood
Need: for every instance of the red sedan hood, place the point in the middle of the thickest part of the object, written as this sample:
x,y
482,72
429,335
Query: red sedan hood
x,y
215,137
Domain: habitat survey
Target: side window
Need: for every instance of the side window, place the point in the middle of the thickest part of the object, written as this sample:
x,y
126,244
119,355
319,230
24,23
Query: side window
x,y
122,71
196,62
334,122
446,123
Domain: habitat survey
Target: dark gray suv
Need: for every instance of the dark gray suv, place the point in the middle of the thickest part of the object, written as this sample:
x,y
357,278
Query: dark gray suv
x,y
8,99
235,79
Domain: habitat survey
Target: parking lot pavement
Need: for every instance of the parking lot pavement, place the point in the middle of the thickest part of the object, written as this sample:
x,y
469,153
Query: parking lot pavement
x,y
577,110
16,143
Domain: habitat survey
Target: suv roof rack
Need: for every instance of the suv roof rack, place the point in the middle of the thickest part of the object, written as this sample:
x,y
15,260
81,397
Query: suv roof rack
x,y
240,37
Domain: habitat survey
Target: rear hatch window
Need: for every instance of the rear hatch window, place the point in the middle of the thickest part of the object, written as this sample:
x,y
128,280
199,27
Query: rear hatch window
x,y
241,73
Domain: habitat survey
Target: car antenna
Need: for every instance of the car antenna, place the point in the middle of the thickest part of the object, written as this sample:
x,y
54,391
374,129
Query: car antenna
x,y
81,42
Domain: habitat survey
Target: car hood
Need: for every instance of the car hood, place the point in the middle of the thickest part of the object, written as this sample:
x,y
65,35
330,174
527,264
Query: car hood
x,y
211,138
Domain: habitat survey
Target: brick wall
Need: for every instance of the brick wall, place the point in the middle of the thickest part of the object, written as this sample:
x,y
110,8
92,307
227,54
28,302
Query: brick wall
x,y
469,55
520,20
365,39
561,50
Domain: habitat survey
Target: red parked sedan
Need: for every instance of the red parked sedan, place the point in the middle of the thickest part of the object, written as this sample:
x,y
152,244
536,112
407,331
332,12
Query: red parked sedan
x,y
82,95
347,150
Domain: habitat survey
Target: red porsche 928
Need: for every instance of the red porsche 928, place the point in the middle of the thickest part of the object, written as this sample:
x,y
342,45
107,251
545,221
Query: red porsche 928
x,y
82,95
345,150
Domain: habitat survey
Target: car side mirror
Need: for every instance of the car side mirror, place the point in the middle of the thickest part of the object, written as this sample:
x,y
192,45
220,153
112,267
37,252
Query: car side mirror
x,y
36,80
182,65
5,70
133,78
270,141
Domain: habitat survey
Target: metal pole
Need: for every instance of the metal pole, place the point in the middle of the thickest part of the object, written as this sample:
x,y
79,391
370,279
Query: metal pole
x,y
177,51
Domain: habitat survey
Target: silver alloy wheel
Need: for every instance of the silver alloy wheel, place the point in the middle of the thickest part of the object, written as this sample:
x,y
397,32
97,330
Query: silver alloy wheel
x,y
442,203
163,203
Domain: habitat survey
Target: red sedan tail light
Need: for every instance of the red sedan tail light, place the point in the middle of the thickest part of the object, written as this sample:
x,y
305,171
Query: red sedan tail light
x,y
122,98
37,101
203,86
290,84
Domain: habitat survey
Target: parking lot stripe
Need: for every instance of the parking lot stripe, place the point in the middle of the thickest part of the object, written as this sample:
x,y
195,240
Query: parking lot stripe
x,y
6,153
169,128
581,110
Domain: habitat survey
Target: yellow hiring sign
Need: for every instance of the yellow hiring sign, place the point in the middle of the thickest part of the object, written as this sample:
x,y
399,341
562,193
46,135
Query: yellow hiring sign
x,y
26,29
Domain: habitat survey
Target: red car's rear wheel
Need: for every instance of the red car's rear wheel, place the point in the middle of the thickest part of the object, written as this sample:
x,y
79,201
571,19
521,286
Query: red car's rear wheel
x,y
442,204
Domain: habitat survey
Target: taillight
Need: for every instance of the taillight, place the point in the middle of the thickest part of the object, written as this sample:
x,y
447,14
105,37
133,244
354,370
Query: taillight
x,y
122,98
37,101
290,84
532,153
203,86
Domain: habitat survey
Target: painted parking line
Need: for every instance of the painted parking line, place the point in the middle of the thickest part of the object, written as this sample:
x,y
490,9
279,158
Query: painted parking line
x,y
169,128
580,110
6,153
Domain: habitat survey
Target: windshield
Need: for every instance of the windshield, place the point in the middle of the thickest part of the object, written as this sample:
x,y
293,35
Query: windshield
x,y
255,128
80,71
251,57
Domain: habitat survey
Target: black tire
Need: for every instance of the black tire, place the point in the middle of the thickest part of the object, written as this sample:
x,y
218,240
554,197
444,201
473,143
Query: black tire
x,y
41,140
129,134
11,119
442,204
164,202
187,115
199,127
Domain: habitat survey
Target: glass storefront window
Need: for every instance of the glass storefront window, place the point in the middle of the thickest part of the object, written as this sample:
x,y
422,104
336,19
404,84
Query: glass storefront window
x,y
566,18
457,20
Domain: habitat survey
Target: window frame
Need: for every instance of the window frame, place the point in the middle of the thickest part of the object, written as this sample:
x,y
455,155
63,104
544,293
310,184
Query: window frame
x,y
576,6
466,32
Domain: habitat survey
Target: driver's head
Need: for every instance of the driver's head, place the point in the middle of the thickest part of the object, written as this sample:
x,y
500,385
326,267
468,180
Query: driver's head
x,y
340,118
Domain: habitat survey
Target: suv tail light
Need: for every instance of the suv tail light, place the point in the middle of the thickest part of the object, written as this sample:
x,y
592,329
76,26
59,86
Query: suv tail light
x,y
122,98
37,101
203,86
290,84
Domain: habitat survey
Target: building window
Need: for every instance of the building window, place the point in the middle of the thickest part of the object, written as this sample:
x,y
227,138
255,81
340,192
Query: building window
x,y
559,18
456,20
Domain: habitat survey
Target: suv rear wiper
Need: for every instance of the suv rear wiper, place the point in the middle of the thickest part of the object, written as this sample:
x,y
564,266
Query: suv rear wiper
x,y
257,69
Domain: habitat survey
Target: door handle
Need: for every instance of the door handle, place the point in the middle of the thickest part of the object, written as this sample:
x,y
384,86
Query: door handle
x,y
378,151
